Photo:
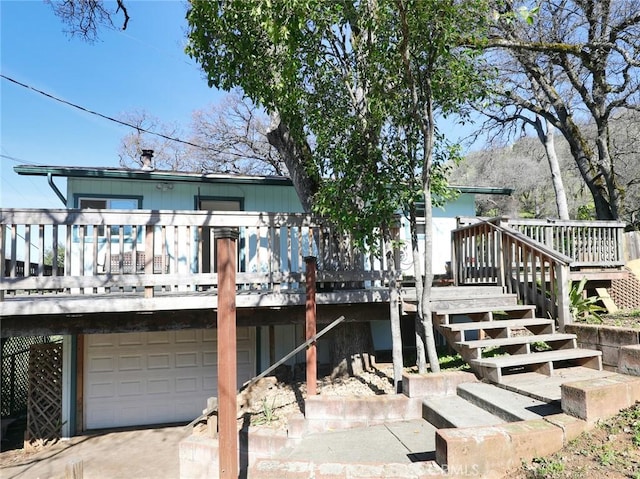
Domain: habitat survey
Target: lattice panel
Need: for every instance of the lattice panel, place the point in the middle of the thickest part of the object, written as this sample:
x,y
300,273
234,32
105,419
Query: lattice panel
x,y
626,292
44,405
15,367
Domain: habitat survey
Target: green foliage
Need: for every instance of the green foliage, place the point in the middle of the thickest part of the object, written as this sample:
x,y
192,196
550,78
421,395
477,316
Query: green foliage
x,y
607,456
584,308
350,79
528,14
454,362
268,414
543,468
48,256
538,346
587,212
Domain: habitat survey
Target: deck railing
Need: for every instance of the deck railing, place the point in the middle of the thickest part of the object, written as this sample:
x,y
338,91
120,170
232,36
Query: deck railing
x,y
487,253
594,244
103,251
587,243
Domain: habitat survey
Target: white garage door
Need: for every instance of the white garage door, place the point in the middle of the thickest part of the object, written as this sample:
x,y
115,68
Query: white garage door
x,y
142,378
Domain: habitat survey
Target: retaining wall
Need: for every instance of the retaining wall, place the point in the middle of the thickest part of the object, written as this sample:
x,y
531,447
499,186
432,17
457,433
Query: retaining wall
x,y
608,339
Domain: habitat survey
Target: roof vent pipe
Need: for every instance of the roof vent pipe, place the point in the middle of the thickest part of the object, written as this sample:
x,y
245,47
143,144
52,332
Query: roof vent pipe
x,y
147,160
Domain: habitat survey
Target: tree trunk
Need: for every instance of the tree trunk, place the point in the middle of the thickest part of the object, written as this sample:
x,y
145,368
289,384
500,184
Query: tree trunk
x,y
394,311
547,139
427,322
591,174
421,358
297,158
352,351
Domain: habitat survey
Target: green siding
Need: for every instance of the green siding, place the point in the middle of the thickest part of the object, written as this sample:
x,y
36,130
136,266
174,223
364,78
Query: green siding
x,y
258,197
180,196
463,205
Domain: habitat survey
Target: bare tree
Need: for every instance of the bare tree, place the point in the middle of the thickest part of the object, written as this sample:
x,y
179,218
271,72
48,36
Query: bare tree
x,y
503,124
235,136
168,154
518,166
625,147
226,138
84,17
583,57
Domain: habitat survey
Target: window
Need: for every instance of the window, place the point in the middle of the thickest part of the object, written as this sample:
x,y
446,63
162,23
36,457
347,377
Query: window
x,y
214,204
206,204
109,203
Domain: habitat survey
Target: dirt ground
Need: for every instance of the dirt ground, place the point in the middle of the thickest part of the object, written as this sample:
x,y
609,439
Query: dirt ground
x,y
269,401
611,450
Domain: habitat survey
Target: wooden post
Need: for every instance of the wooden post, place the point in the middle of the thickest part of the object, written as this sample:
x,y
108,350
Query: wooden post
x,y
148,259
500,259
226,241
310,321
564,311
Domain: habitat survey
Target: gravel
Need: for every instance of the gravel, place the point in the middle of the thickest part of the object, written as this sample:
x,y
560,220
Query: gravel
x,y
270,402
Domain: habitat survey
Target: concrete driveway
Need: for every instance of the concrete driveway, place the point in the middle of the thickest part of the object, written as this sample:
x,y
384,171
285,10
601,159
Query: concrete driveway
x,y
122,454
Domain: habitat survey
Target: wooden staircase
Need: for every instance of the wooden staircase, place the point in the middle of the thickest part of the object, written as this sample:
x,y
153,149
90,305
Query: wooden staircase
x,y
497,336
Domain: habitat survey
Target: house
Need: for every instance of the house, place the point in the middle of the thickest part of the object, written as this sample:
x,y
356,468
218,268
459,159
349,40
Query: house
x,y
133,360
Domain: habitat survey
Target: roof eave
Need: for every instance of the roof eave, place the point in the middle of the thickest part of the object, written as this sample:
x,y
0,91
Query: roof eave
x,y
122,174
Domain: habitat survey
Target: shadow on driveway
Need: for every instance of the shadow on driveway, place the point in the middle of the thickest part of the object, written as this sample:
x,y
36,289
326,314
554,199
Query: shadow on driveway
x,y
109,454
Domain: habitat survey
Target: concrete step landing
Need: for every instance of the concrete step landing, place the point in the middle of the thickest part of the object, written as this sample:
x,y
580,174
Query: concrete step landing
x,y
481,404
509,406
453,411
495,369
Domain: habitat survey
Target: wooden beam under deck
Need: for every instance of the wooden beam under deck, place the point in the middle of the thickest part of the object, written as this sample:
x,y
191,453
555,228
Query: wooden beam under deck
x,y
160,320
52,304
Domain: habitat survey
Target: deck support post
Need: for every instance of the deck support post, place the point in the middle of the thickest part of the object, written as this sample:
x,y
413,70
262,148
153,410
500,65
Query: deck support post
x,y
226,243
310,322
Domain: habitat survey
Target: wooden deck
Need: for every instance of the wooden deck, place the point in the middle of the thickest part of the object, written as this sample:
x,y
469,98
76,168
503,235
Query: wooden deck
x,y
122,263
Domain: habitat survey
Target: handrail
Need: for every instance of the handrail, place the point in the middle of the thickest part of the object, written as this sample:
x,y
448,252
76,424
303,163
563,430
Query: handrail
x,y
594,244
536,245
485,252
273,367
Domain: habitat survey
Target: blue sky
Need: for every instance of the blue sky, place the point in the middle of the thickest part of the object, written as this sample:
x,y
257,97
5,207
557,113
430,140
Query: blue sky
x,y
143,67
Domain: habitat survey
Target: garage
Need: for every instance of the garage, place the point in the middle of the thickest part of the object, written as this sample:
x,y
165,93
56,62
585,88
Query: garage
x,y
133,379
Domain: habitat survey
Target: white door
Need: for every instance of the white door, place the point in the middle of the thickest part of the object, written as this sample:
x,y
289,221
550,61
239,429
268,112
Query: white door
x,y
134,379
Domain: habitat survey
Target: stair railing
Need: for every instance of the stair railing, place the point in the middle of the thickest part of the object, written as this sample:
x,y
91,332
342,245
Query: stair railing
x,y
488,253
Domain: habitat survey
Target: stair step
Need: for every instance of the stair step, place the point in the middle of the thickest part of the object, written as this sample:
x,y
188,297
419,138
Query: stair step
x,y
491,303
491,368
454,411
483,311
473,349
483,308
460,301
438,293
548,388
456,332
507,405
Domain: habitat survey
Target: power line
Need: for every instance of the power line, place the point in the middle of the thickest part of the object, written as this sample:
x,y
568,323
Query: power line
x,y
18,160
106,117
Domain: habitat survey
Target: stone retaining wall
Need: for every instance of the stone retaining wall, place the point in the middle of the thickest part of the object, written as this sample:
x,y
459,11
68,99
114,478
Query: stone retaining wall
x,y
608,339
